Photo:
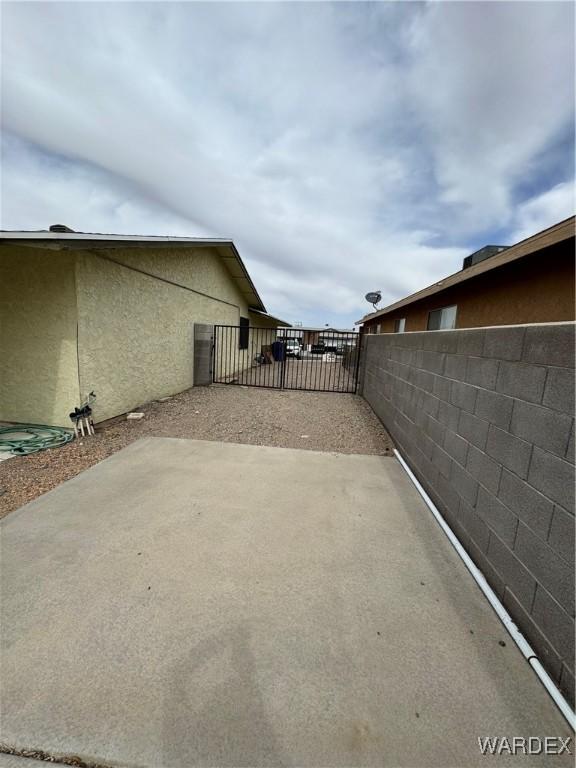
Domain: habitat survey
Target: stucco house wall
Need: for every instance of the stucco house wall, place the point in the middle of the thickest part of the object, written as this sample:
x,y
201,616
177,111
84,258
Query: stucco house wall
x,y
117,321
38,359
197,268
135,331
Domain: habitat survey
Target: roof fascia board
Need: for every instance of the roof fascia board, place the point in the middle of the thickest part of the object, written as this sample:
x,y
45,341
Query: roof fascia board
x,y
96,236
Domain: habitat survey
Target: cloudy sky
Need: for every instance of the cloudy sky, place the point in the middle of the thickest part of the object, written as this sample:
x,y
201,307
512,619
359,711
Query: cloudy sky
x,y
345,147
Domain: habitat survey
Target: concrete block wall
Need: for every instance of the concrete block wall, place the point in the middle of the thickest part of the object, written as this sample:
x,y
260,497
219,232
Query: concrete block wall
x,y
203,341
485,418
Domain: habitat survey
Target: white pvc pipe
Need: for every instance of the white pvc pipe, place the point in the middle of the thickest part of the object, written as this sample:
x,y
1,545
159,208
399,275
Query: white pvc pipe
x,y
525,647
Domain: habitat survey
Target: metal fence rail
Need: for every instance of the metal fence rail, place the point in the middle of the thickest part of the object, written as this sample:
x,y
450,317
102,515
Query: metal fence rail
x,y
286,358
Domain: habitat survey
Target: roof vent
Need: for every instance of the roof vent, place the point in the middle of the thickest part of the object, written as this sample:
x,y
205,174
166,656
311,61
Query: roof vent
x,y
60,228
484,253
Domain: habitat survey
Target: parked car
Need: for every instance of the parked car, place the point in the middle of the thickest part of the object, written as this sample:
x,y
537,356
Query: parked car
x,y
293,349
335,349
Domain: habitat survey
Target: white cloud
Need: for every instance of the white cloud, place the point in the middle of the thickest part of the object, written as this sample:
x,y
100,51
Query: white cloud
x,y
544,210
40,190
344,147
493,88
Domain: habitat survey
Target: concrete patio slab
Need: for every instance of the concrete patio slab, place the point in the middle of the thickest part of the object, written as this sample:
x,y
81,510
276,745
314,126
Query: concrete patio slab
x,y
13,761
187,603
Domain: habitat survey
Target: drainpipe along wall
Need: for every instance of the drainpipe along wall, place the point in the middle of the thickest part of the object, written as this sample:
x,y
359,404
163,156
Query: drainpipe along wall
x,y
525,648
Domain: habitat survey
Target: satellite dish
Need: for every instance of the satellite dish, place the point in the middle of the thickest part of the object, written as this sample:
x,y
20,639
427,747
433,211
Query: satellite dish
x,y
374,298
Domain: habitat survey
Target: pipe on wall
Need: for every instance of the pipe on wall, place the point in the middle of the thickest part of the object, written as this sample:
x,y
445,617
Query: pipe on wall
x,y
525,648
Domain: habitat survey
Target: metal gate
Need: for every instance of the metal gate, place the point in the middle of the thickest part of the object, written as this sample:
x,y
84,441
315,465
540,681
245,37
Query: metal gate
x,y
286,358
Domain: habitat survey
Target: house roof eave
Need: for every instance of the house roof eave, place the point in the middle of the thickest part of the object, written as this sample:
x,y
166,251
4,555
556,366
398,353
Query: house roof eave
x,y
75,240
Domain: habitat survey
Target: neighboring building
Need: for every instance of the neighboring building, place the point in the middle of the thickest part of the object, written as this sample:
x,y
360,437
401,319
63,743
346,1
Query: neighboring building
x,y
530,282
325,336
113,314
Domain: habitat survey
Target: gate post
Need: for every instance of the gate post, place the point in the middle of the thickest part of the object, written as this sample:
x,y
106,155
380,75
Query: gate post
x,y
360,368
283,364
203,342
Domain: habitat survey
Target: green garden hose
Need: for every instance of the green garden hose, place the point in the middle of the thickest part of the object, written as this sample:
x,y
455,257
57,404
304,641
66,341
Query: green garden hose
x,y
40,437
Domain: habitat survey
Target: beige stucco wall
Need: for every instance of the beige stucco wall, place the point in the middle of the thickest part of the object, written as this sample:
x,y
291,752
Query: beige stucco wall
x,y
38,362
198,268
135,331
117,321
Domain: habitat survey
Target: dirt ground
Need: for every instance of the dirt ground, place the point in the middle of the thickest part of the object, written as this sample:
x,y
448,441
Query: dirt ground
x,y
316,421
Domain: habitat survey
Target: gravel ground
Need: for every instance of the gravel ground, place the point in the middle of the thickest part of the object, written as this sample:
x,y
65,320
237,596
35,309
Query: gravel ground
x,y
289,419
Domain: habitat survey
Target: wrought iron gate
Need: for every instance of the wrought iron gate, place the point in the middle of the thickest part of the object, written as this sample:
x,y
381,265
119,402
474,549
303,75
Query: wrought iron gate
x,y
286,358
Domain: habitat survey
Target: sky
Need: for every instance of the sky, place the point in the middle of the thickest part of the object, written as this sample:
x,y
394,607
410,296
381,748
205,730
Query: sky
x,y
344,147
